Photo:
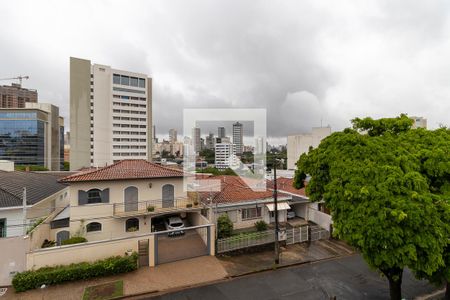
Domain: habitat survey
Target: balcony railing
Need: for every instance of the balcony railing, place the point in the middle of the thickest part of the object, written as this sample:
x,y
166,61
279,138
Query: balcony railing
x,y
150,207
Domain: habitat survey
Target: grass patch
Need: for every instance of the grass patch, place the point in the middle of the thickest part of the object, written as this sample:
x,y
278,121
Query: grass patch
x,y
104,291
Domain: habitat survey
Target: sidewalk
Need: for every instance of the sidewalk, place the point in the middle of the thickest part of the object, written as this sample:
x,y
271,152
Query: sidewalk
x,y
178,274
291,255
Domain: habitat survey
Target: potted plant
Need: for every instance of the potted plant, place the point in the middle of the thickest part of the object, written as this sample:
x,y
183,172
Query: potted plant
x,y
189,205
150,208
195,203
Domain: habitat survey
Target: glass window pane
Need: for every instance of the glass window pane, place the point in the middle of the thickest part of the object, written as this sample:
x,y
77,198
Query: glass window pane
x,y
125,80
141,83
116,79
134,81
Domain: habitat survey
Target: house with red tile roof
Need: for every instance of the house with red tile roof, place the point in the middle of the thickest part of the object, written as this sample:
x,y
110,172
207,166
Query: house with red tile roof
x,y
129,199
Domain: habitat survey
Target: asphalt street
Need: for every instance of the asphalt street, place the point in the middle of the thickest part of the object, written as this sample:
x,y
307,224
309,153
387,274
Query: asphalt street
x,y
345,278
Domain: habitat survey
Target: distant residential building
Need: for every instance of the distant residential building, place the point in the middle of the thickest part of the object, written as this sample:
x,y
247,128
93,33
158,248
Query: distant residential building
x,y
210,141
225,155
196,139
221,132
67,146
15,96
172,135
238,137
249,149
419,122
155,139
299,144
32,136
110,115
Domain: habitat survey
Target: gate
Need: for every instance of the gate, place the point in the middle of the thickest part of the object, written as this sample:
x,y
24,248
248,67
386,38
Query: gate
x,y
297,235
318,233
143,253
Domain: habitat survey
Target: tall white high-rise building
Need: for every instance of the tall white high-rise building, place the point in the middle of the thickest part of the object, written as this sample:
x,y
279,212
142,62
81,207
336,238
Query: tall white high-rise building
x,y
225,155
196,139
238,137
110,115
172,135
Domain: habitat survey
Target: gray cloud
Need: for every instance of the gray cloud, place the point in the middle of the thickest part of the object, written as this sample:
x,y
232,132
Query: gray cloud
x,y
303,61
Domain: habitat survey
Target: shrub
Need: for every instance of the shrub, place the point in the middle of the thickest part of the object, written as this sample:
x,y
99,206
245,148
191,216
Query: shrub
x,y
195,203
74,240
150,208
48,243
53,275
261,225
224,226
189,205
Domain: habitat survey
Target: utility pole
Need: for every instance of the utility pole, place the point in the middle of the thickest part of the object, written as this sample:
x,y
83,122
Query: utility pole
x,y
275,201
24,211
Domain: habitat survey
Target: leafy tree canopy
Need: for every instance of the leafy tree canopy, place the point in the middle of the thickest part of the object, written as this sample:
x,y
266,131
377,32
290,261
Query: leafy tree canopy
x,y
388,189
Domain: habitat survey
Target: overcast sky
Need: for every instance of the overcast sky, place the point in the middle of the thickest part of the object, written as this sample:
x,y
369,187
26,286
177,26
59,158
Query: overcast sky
x,y
305,61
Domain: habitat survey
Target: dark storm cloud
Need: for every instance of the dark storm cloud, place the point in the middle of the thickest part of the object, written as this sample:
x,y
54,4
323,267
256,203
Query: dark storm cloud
x,y
305,62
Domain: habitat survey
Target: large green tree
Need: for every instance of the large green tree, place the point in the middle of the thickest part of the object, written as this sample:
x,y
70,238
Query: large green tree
x,y
386,186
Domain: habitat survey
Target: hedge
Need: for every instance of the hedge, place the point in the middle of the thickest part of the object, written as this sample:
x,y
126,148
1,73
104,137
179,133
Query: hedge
x,y
74,240
53,275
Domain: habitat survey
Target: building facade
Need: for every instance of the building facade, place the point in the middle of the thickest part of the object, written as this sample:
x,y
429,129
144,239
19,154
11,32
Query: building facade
x,y
196,139
299,144
225,155
14,96
173,135
210,141
238,137
110,115
221,132
32,136
419,122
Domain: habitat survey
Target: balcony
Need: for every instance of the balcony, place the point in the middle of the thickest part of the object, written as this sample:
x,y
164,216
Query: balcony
x,y
154,207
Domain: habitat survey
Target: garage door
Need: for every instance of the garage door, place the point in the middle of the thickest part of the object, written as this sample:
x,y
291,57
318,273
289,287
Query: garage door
x,y
193,243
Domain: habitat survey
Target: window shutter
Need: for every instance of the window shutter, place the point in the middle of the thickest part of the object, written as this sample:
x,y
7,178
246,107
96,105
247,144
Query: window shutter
x,y
82,197
105,196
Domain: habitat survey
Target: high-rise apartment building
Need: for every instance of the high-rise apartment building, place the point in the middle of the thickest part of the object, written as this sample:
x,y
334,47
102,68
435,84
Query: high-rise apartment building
x,y
110,115
225,155
299,144
221,132
210,141
172,135
238,137
196,139
15,96
32,136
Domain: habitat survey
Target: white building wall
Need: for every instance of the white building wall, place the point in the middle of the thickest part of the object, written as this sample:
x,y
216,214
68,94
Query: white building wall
x,y
14,221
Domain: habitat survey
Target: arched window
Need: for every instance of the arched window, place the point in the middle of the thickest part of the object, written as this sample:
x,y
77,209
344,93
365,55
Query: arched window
x,y
94,196
131,225
93,226
62,236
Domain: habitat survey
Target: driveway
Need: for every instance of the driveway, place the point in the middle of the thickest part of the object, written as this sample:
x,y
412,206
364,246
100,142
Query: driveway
x,y
345,278
186,246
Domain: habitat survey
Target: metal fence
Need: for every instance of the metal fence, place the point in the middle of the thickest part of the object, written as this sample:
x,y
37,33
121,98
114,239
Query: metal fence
x,y
245,240
318,233
153,206
297,235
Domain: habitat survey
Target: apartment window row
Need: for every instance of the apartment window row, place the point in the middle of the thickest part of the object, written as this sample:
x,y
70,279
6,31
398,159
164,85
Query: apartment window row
x,y
129,125
129,154
129,147
251,213
129,132
123,111
129,98
129,104
129,119
128,140
127,80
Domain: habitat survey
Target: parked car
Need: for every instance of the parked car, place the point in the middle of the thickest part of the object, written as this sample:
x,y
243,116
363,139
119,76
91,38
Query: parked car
x,y
290,214
173,223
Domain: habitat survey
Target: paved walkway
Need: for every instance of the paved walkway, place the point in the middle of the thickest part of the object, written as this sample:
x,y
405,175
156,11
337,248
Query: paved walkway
x,y
292,254
163,277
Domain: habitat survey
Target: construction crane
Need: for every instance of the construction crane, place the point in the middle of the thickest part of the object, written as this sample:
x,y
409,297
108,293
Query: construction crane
x,y
20,78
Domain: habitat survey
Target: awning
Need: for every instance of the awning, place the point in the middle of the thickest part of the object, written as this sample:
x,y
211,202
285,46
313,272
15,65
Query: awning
x,y
281,206
64,214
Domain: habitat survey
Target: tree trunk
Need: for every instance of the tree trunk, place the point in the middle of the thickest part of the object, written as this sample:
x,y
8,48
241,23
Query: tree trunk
x,y
394,276
447,291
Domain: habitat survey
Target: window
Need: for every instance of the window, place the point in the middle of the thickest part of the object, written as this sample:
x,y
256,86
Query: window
x,y
93,226
94,196
251,213
134,81
141,83
116,79
132,225
124,80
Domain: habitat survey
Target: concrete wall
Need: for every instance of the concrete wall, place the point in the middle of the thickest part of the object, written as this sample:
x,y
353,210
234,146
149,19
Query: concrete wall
x,y
322,219
300,209
14,221
13,258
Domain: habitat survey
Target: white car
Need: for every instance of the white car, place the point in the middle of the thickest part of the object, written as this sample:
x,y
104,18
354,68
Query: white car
x,y
174,223
290,214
